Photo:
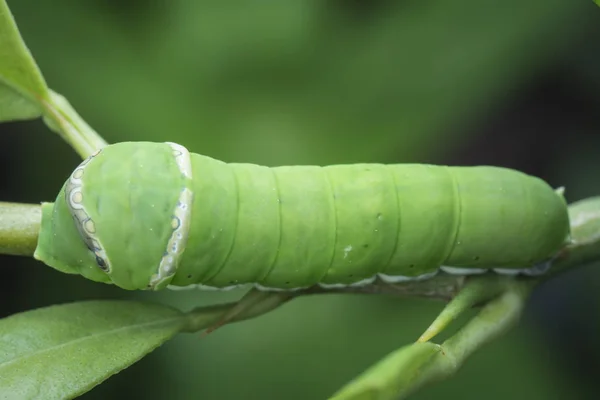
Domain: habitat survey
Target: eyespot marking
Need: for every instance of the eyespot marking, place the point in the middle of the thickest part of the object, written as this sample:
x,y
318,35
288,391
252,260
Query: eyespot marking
x,y
83,222
101,263
76,197
89,226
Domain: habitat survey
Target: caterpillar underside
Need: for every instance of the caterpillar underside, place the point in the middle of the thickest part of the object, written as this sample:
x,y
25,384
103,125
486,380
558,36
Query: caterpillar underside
x,y
536,270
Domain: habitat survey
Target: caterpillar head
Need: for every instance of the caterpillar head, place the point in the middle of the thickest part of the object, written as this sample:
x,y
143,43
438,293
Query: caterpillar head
x,y
122,216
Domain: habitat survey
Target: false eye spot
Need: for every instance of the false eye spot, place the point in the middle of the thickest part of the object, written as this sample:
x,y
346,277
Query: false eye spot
x,y
175,223
78,173
89,226
77,197
101,263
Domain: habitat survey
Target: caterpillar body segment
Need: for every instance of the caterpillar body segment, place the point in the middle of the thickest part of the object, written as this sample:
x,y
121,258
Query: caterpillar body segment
x,y
147,215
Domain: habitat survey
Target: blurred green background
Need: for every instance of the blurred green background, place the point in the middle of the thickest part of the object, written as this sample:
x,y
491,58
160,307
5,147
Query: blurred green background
x,y
513,83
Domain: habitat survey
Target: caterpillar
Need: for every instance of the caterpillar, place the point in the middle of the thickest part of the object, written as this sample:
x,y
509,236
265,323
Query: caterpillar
x,y
144,215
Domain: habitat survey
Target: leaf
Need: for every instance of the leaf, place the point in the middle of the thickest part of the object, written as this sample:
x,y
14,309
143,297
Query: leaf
x,y
65,350
22,85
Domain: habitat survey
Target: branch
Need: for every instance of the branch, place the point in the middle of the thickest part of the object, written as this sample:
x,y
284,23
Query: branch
x,y
62,118
412,367
19,228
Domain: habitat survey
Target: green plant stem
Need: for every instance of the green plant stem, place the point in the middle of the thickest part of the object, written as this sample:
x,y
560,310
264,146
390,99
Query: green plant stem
x,y
19,228
414,366
206,317
62,118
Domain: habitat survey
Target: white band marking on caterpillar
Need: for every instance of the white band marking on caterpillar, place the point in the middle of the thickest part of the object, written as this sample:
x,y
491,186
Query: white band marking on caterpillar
x,y
462,271
180,222
536,270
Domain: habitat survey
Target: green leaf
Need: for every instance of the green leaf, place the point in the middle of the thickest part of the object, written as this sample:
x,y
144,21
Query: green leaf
x,y
64,351
22,86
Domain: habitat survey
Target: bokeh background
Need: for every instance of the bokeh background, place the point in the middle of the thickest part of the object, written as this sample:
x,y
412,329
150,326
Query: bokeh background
x,y
513,83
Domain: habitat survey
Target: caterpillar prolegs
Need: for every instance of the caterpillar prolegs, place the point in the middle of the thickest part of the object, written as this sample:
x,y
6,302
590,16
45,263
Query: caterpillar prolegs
x,y
145,215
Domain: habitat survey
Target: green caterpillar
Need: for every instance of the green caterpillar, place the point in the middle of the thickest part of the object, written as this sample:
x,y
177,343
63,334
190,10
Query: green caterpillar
x,y
144,215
